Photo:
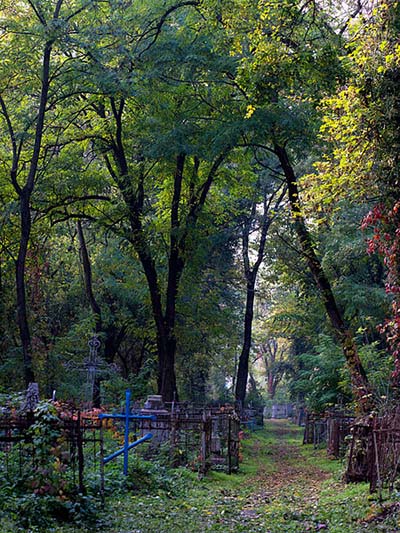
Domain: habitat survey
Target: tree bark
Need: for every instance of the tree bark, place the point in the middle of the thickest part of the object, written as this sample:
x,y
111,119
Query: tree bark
x,y
25,217
360,385
87,274
176,265
22,311
243,366
269,353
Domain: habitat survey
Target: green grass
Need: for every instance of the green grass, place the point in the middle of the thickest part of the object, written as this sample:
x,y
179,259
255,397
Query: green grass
x,y
277,490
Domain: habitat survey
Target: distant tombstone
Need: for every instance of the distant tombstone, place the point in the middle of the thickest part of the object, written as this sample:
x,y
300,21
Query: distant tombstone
x,y
154,402
154,405
215,437
31,398
281,410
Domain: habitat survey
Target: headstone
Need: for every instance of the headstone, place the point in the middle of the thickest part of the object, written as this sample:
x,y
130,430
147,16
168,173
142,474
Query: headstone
x,y
154,402
154,405
282,410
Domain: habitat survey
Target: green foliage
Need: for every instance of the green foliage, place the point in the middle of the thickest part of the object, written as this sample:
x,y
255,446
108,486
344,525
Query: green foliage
x,y
156,80
360,121
43,493
378,363
113,388
358,277
319,378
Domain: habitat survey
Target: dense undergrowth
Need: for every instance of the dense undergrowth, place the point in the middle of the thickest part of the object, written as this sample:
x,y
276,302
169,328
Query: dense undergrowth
x,y
282,486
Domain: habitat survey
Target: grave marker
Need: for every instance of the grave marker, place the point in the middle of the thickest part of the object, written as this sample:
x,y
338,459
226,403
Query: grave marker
x,y
127,417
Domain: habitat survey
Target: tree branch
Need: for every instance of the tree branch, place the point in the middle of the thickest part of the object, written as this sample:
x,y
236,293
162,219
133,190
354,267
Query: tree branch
x,y
69,200
14,167
157,29
37,12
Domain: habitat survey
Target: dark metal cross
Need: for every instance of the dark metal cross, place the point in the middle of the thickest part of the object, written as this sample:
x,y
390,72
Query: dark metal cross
x,y
91,365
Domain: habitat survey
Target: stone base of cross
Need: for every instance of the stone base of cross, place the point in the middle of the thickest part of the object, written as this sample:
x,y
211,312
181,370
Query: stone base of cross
x,y
127,416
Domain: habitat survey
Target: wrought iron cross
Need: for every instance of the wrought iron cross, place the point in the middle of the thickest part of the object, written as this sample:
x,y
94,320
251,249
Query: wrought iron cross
x,y
92,364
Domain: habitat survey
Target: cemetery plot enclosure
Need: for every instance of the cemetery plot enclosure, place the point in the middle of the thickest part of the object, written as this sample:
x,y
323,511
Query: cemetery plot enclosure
x,y
372,443
375,451
330,430
51,455
63,453
201,438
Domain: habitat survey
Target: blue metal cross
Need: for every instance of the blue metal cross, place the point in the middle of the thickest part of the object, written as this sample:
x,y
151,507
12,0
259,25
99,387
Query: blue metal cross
x,y
127,417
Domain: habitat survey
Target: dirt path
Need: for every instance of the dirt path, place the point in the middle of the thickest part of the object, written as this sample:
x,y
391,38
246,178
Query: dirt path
x,y
281,487
286,473
289,465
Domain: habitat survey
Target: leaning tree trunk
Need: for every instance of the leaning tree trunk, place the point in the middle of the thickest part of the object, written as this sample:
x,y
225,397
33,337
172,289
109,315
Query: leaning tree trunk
x,y
360,385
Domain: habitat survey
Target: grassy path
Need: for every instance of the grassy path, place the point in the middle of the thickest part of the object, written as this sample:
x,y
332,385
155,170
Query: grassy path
x,y
282,486
286,473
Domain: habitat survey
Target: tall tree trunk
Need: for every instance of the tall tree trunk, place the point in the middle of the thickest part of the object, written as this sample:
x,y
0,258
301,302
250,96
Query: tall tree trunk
x,y
25,216
271,385
176,265
361,388
87,274
22,312
269,353
165,337
243,366
251,277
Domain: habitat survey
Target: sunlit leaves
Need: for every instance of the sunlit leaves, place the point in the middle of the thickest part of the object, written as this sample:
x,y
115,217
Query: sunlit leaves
x,y
359,124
